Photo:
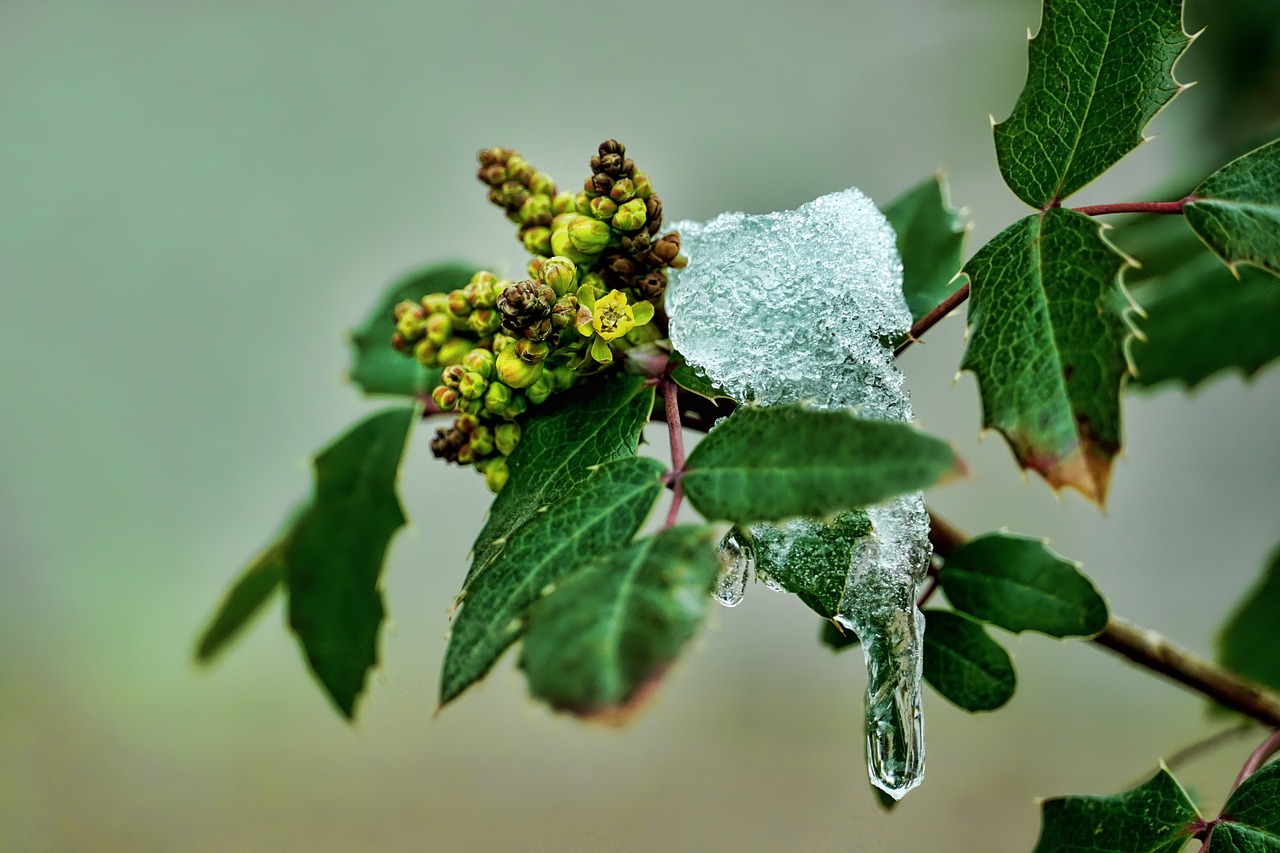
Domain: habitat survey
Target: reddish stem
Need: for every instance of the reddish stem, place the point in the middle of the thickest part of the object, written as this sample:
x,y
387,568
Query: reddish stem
x,y
675,433
928,321
1269,747
1174,207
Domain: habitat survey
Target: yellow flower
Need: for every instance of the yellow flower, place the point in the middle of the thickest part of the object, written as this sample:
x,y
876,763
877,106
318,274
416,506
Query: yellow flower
x,y
608,317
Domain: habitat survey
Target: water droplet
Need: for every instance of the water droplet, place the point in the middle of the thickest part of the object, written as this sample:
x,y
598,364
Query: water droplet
x,y
737,561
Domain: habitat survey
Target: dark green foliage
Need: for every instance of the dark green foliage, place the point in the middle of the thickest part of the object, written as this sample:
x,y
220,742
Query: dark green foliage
x,y
930,241
1237,210
1098,71
816,564
596,517
768,463
963,663
1019,584
1250,641
596,424
611,628
251,591
1155,817
1047,346
1250,821
692,380
375,366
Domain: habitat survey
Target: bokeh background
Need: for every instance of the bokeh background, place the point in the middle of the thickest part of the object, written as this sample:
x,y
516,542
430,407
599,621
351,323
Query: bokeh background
x,y
197,199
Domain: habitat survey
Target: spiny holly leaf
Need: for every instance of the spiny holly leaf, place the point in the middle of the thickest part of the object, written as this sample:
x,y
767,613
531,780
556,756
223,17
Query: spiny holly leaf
x,y
930,240
1019,584
375,366
594,518
1047,346
693,380
1200,321
1097,72
963,663
1155,817
333,558
247,596
774,462
1250,821
1250,641
1236,211
809,558
556,452
607,633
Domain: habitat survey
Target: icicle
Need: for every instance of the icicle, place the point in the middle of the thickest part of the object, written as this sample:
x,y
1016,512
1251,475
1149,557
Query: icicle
x,y
800,306
736,563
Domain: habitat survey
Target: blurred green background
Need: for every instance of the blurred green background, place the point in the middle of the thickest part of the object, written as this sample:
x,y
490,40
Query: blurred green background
x,y
197,200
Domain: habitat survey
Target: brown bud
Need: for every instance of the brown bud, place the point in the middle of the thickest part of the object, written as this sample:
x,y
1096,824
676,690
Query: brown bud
x,y
612,146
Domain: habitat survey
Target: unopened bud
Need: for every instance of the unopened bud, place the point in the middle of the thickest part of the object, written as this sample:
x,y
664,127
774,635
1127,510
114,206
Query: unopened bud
x,y
589,236
426,353
496,474
564,378
630,216
542,184
435,303
560,274
453,351
446,399
506,437
439,328
565,312
598,184
470,407
484,321
602,207
623,190
537,240
479,361
482,441
466,455
452,375
641,185
539,391
532,351
473,385
479,294
563,203
466,423
536,210
497,397
493,174
519,169
458,303
516,372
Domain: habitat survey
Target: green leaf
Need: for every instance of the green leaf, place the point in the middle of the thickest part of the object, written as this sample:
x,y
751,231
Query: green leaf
x,y
1019,584
808,557
1236,210
598,516
251,591
775,462
963,663
691,379
1249,644
930,241
1097,72
1046,343
1200,321
1155,817
375,366
599,422
597,645
333,558
1250,821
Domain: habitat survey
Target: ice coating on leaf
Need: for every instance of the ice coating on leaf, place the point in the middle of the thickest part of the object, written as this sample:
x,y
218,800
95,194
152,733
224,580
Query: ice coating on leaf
x,y
803,306
736,563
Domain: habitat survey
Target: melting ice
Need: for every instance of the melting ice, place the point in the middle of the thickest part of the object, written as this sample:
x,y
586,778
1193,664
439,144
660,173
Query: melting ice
x,y
803,306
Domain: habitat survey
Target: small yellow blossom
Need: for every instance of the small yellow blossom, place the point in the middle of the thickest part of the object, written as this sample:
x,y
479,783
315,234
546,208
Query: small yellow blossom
x,y
608,317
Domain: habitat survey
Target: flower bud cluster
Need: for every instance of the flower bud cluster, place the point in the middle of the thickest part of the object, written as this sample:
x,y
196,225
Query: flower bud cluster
x,y
596,280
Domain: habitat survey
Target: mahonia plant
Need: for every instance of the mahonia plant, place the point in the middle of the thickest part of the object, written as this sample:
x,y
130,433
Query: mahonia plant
x,y
549,381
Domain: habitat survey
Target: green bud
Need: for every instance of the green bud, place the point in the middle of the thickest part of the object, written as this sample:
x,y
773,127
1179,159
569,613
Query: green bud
x,y
542,389
472,386
582,203
435,303
469,406
426,353
484,321
409,325
563,203
531,351
482,441
439,329
479,361
537,240
498,286
446,399
466,423
603,208
623,190
516,372
560,274
506,437
496,474
643,188
452,375
453,351
542,184
565,312
594,281
497,397
589,236
519,169
536,209
630,216
466,455
501,341
564,378
479,294
458,304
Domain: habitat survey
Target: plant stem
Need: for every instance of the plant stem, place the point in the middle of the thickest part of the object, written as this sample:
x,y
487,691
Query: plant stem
x,y
675,432
1208,744
1152,651
1174,207
928,321
1269,747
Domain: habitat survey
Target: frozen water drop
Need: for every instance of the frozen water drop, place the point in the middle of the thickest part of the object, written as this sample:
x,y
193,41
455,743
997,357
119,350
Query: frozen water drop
x,y
737,561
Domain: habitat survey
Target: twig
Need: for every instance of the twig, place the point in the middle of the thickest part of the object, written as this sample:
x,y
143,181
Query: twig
x,y
1260,756
670,397
1208,744
928,321
1174,207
